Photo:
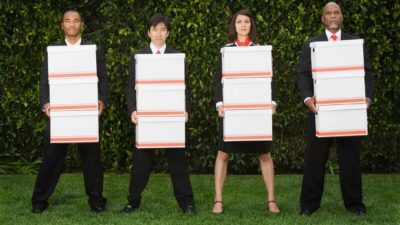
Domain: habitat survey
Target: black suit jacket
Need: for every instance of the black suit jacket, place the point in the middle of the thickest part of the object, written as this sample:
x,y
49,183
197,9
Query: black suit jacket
x,y
130,81
102,85
218,97
304,75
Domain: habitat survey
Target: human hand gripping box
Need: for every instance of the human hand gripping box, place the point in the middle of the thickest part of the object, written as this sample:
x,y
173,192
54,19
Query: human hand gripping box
x,y
72,74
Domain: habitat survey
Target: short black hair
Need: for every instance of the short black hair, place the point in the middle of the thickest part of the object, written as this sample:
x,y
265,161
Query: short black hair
x,y
158,18
70,10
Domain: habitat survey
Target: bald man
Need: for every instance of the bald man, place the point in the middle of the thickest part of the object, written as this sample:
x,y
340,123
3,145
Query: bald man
x,y
348,148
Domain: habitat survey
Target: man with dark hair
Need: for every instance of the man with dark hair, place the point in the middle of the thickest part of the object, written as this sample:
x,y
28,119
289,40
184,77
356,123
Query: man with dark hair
x,y
348,148
53,156
158,31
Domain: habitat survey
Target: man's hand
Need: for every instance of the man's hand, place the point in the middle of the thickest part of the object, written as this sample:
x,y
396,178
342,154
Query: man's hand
x,y
186,117
134,117
311,105
220,109
273,106
46,109
101,107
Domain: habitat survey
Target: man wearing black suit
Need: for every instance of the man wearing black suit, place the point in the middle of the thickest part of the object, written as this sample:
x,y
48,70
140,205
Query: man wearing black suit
x,y
53,156
158,28
348,148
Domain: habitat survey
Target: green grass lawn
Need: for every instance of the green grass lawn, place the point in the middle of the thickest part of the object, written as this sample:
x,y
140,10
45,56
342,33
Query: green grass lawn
x,y
244,201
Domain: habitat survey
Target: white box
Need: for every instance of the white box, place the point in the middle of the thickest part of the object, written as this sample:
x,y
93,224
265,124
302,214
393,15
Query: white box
x,y
248,125
72,61
252,61
74,126
160,132
160,98
160,68
252,92
341,120
73,91
341,58
340,90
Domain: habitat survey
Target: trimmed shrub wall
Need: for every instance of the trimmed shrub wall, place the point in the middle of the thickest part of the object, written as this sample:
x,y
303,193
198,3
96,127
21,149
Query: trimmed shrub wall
x,y
199,30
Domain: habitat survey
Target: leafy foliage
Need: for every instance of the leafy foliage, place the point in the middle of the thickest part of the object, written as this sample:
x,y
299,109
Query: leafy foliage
x,y
199,30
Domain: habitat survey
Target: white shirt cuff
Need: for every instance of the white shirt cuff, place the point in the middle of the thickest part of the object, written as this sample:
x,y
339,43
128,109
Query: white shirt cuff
x,y
218,104
306,99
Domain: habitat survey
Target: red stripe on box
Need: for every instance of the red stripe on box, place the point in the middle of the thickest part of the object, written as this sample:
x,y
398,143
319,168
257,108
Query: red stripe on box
x,y
248,106
71,139
259,74
73,107
177,113
65,75
335,69
160,145
247,137
337,133
160,82
336,101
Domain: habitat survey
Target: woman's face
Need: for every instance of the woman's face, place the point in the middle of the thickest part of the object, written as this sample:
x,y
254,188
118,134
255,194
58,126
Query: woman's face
x,y
242,25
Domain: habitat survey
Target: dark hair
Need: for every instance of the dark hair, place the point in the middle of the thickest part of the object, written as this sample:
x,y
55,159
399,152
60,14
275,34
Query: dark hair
x,y
70,10
232,34
158,18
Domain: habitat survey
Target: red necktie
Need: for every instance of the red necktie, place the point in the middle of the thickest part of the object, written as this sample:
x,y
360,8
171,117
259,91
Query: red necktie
x,y
158,52
334,37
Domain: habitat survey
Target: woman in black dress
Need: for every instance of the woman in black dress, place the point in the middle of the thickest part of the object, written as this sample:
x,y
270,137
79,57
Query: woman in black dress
x,y
242,32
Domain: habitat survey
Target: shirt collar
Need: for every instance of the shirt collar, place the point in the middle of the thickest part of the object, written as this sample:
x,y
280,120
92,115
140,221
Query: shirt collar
x,y
76,44
338,35
154,48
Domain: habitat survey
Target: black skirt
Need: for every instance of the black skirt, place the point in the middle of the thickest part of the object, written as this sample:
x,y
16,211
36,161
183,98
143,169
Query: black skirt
x,y
258,147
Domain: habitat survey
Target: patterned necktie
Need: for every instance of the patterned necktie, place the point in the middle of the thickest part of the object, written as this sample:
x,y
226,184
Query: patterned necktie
x,y
334,37
158,51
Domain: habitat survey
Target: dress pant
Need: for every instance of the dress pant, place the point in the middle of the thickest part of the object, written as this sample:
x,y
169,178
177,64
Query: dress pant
x,y
141,168
348,151
52,165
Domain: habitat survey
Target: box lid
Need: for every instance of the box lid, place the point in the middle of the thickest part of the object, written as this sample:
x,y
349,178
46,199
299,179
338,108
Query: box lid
x,y
65,48
156,119
323,44
342,107
247,49
160,56
74,113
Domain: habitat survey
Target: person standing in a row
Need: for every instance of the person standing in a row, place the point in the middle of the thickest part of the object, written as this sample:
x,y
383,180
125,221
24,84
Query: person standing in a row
x,y
54,154
348,148
242,32
158,28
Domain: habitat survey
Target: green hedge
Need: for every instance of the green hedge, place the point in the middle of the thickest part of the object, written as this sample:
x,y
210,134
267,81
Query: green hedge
x,y
199,30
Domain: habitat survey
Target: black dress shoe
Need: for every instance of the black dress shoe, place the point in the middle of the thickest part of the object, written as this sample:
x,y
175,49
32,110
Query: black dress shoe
x,y
189,210
38,209
305,212
358,210
98,208
128,208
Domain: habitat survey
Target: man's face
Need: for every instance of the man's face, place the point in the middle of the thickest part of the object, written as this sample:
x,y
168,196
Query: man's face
x,y
158,34
332,16
71,24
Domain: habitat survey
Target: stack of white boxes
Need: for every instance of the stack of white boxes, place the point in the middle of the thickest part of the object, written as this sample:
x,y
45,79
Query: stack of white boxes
x,y
246,80
72,74
339,88
160,100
